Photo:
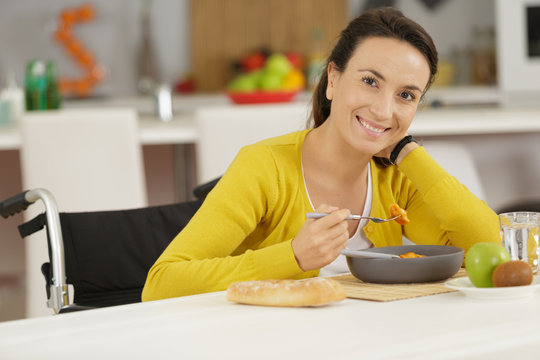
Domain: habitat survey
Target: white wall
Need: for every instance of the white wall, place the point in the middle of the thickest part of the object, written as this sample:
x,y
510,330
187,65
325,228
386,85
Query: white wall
x,y
450,24
27,26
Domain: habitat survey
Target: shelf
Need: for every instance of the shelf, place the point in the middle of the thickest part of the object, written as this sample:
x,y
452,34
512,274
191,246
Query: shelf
x,y
463,96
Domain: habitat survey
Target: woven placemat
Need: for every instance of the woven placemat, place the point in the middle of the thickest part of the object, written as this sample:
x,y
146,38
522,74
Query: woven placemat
x,y
357,289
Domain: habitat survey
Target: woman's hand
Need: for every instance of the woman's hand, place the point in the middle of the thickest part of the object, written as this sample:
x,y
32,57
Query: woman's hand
x,y
320,241
385,153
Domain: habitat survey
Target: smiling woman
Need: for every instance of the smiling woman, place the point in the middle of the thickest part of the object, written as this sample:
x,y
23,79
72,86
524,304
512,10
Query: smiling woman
x,y
357,158
379,91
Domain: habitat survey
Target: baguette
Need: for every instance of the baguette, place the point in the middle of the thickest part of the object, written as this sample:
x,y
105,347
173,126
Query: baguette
x,y
310,292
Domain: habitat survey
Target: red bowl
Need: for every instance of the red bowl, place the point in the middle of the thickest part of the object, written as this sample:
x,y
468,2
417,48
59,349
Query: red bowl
x,y
260,97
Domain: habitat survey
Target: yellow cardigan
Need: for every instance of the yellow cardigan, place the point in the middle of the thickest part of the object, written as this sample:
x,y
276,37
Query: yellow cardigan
x,y
245,227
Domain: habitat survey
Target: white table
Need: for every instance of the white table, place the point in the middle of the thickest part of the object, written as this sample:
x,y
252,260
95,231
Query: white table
x,y
446,326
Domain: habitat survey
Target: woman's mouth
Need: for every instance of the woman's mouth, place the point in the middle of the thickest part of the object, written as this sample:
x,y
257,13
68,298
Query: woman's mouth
x,y
370,128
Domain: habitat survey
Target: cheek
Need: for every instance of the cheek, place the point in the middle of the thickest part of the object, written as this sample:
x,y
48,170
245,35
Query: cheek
x,y
406,116
354,96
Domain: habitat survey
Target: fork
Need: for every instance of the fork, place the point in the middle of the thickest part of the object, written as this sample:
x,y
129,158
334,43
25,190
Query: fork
x,y
316,215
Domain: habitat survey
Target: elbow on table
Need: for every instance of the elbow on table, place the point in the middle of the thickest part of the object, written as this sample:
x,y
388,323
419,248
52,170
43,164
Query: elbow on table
x,y
150,290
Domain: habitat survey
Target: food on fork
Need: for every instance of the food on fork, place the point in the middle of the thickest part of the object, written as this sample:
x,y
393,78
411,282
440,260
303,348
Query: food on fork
x,y
395,210
410,255
310,292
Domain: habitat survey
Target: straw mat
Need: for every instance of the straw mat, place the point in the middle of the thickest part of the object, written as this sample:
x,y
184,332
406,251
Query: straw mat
x,y
357,289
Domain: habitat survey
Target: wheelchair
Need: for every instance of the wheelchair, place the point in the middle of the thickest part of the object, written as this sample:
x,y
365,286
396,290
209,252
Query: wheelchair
x,y
104,255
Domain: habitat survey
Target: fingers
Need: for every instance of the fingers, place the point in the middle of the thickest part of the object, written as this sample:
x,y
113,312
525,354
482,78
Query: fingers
x,y
334,224
320,241
335,215
324,208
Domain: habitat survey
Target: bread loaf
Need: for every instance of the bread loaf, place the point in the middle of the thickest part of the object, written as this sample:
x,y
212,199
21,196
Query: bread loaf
x,y
310,292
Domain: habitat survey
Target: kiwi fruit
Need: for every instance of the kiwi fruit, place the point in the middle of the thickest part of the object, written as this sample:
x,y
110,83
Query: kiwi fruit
x,y
512,273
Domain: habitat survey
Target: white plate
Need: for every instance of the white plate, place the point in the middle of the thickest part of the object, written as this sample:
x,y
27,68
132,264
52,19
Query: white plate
x,y
464,285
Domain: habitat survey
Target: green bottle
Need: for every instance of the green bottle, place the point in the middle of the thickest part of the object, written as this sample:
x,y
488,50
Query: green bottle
x,y
52,93
35,86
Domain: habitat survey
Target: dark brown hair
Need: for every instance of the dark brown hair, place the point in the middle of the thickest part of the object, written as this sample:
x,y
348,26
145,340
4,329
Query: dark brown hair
x,y
382,22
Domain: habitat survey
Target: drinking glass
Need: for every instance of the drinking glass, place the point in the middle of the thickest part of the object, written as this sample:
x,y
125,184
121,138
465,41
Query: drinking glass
x,y
520,235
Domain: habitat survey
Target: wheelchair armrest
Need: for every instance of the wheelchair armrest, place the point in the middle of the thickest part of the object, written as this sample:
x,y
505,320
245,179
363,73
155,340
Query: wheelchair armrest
x,y
73,308
202,190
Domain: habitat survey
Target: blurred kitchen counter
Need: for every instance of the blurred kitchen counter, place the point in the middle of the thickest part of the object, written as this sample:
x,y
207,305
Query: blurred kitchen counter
x,y
182,104
476,113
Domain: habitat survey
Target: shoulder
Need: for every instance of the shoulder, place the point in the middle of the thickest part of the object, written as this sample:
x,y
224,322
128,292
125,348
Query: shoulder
x,y
291,139
288,146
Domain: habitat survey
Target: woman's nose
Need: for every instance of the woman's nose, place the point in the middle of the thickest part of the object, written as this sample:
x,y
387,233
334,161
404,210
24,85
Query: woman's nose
x,y
381,107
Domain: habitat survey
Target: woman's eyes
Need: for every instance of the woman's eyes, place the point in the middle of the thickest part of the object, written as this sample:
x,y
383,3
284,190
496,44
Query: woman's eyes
x,y
405,95
369,80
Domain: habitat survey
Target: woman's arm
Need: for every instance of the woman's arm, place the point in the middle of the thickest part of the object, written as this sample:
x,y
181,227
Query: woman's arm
x,y
440,208
203,257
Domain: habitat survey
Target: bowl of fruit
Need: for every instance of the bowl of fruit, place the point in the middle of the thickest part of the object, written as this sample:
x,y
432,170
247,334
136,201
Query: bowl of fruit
x,y
276,79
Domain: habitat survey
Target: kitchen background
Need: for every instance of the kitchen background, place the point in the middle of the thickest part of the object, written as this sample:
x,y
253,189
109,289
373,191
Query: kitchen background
x,y
115,35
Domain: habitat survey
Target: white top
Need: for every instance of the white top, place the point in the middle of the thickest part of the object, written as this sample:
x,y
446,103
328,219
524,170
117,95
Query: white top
x,y
358,241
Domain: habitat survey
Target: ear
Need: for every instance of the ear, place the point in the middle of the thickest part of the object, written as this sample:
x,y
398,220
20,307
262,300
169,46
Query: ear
x,y
331,73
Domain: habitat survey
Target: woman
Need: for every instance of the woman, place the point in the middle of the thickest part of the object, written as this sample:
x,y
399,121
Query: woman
x,y
357,159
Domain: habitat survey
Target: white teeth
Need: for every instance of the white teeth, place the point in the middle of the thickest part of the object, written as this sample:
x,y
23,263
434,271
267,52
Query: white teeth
x,y
367,126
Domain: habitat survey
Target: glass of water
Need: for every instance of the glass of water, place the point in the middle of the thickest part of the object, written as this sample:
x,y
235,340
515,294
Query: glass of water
x,y
520,235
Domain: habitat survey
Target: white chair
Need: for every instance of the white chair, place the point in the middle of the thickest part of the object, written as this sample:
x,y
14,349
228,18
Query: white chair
x,y
223,130
90,160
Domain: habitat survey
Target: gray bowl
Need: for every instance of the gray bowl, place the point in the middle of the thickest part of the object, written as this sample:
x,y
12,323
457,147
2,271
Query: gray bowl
x,y
440,263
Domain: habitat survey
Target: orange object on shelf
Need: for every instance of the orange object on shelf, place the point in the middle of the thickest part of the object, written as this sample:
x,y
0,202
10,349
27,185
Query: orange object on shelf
x,y
67,17
92,72
86,12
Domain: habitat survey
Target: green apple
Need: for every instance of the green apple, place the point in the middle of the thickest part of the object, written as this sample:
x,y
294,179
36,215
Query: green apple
x,y
243,83
277,64
270,81
480,261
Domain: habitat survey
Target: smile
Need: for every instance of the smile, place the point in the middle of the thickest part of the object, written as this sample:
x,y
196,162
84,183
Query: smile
x,y
378,130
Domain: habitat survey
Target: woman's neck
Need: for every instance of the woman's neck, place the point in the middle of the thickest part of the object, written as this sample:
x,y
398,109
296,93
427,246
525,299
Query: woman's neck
x,y
324,153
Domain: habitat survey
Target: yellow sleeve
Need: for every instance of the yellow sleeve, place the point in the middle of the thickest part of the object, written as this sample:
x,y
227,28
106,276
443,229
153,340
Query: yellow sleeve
x,y
202,257
441,209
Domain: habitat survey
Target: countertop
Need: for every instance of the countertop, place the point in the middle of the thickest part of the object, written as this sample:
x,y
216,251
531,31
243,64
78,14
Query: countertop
x,y
468,119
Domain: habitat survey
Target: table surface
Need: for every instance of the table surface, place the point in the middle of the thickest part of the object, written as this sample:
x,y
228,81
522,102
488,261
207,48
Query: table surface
x,y
207,326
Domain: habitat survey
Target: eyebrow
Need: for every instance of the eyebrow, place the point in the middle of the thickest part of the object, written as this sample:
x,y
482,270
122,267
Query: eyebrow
x,y
379,75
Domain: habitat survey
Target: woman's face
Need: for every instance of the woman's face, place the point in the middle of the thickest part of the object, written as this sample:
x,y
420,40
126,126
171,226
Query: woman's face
x,y
375,97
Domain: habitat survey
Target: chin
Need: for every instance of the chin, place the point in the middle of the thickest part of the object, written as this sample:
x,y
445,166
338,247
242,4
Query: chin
x,y
369,150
